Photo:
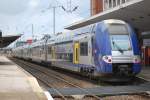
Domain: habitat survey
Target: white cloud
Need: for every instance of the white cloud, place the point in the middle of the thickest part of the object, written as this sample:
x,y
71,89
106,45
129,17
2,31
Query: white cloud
x,y
33,3
13,6
18,20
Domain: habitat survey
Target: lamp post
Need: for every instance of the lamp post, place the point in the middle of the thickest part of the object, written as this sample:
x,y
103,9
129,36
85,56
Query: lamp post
x,y
32,29
54,19
54,14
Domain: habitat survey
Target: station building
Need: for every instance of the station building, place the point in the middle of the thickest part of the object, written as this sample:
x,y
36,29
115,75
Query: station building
x,y
135,12
98,6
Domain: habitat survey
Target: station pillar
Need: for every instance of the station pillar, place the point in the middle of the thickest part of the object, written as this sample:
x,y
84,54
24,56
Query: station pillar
x,y
146,48
145,56
96,7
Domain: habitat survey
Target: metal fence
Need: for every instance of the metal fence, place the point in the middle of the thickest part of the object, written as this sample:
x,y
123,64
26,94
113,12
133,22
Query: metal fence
x,y
108,4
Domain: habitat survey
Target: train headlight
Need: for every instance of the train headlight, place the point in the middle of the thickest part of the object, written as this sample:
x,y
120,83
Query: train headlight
x,y
137,59
107,59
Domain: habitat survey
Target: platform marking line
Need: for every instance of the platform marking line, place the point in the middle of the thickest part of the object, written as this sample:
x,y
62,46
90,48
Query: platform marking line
x,y
48,95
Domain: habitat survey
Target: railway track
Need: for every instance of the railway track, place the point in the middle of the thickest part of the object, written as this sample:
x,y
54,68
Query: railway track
x,y
53,80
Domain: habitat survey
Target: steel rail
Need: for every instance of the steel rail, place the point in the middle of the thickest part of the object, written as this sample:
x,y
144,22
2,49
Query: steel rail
x,y
38,66
38,77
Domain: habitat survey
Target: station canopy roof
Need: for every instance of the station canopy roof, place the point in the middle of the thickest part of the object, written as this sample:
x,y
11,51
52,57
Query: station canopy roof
x,y
6,40
135,12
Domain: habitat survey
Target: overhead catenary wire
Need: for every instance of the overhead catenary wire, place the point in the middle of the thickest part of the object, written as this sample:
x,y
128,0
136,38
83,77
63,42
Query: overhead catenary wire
x,y
60,5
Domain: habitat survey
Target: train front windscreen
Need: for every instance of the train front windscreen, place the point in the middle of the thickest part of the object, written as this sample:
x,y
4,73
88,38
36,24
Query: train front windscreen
x,y
119,38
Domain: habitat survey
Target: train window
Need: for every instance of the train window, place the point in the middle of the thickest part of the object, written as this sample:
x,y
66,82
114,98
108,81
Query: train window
x,y
123,1
71,57
120,43
49,50
92,43
110,3
76,59
114,3
84,49
118,29
118,2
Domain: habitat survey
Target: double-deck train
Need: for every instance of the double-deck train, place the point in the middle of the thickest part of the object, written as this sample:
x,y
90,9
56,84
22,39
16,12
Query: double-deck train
x,y
108,48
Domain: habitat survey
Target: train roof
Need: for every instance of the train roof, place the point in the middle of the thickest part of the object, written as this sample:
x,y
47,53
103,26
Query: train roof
x,y
78,25
81,32
63,37
51,41
21,47
116,21
71,35
37,43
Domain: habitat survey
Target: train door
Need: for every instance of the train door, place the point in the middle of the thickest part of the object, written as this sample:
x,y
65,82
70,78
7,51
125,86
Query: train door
x,y
76,53
53,52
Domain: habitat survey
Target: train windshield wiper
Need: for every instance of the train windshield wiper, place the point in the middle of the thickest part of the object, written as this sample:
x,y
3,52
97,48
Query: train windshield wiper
x,y
118,48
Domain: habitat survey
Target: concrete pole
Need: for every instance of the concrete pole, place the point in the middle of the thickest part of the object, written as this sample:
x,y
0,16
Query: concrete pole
x,y
54,20
32,26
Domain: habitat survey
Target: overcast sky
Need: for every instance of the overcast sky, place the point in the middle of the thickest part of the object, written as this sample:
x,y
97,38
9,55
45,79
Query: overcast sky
x,y
17,16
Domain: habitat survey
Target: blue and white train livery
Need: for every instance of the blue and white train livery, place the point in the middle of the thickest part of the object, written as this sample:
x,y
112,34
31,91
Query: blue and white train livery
x,y
107,48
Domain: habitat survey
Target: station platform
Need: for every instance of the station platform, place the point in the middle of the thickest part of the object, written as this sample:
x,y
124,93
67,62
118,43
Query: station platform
x,y
17,84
